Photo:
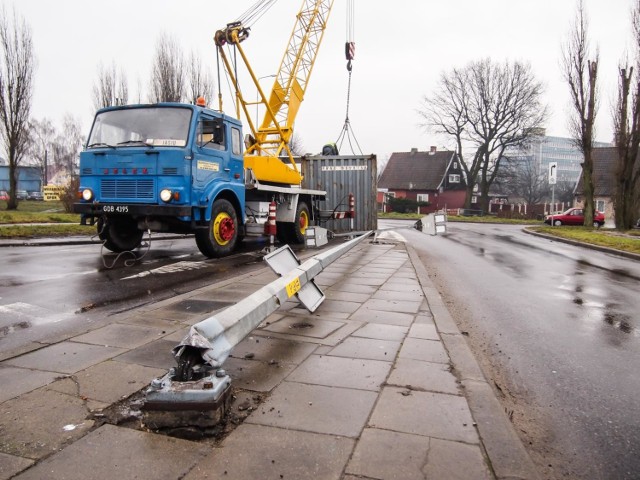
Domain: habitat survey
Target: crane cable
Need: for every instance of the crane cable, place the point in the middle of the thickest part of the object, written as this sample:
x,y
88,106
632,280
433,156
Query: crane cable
x,y
350,51
247,19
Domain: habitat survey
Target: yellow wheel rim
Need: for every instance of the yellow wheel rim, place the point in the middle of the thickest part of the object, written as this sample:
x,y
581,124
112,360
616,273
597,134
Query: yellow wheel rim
x,y
303,222
223,228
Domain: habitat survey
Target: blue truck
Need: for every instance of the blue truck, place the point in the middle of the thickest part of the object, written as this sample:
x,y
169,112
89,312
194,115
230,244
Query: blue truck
x,y
179,168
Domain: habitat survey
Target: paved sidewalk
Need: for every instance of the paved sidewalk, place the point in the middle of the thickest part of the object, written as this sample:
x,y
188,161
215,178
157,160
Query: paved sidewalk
x,y
378,383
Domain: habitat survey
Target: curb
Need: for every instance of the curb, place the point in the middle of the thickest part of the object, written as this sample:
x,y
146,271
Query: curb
x,y
612,251
507,455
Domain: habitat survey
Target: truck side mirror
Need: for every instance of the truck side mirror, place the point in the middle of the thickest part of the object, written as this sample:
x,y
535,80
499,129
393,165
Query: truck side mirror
x,y
218,131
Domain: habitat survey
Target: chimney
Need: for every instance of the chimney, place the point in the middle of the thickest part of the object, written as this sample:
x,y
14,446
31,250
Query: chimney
x,y
414,150
433,150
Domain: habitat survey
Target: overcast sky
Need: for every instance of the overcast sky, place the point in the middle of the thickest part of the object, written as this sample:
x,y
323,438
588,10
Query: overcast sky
x,y
402,48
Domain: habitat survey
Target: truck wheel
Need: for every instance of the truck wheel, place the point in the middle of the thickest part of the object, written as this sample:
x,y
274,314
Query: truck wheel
x,y
294,232
221,235
119,234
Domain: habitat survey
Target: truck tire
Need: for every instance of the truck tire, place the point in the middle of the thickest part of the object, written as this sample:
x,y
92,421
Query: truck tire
x,y
221,235
294,232
119,234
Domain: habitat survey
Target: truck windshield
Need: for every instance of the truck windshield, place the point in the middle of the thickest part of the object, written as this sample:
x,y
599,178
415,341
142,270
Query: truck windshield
x,y
154,126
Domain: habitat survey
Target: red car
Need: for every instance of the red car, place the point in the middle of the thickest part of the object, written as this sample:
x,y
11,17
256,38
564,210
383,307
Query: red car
x,y
574,216
4,195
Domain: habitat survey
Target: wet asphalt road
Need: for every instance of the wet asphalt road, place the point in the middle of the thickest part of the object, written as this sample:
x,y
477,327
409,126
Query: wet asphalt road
x,y
51,290
557,327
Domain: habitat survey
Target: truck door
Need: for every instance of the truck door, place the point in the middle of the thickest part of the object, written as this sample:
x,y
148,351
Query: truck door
x,y
211,156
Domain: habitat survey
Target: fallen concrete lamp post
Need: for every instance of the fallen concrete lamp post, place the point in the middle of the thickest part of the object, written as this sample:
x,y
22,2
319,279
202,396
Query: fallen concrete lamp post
x,y
197,391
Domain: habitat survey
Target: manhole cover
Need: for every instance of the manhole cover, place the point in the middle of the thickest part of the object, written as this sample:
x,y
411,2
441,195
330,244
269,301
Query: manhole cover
x,y
301,325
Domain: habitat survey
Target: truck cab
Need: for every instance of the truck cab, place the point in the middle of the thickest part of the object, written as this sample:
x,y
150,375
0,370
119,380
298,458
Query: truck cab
x,y
166,167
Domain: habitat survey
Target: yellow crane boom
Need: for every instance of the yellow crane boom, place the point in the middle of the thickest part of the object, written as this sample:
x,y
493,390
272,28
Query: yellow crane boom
x,y
270,140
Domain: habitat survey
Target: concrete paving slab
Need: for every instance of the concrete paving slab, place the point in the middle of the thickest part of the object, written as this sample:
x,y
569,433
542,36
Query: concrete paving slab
x,y
424,317
120,335
316,408
331,306
349,286
456,461
259,452
424,413
342,372
16,381
369,348
306,327
390,456
378,316
347,296
164,326
366,280
425,350
11,465
370,274
113,452
401,285
425,376
331,340
268,349
424,331
155,354
228,293
108,382
411,296
65,357
257,376
382,332
403,306
39,423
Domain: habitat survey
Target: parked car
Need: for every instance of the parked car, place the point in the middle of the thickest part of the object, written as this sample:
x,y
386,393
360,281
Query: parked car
x,y
35,196
574,216
21,195
4,195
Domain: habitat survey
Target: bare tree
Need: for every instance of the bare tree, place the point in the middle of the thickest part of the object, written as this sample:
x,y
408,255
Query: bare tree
x,y
627,137
111,87
168,80
487,108
296,145
66,146
581,75
200,82
522,177
42,135
17,67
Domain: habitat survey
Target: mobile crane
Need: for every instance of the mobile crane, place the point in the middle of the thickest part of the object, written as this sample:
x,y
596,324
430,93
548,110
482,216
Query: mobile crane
x,y
180,168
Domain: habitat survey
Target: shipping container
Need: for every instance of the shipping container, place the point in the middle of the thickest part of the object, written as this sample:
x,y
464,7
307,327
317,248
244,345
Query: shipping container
x,y
339,176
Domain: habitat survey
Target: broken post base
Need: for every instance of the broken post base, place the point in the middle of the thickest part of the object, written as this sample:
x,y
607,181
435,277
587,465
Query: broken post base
x,y
200,403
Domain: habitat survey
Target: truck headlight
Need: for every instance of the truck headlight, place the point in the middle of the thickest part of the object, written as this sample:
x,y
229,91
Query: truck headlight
x,y
87,194
165,195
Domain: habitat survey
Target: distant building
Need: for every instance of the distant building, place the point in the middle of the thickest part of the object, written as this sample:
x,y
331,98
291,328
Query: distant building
x,y
435,177
29,178
605,161
544,150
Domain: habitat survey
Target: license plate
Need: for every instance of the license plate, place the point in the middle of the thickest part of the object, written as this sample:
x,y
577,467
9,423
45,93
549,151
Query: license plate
x,y
115,208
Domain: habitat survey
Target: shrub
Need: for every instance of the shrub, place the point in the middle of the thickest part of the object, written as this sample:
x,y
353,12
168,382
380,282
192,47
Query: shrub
x,y
69,196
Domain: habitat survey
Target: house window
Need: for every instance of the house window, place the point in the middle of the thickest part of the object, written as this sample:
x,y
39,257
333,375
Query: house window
x,y
455,165
600,205
474,199
454,178
422,197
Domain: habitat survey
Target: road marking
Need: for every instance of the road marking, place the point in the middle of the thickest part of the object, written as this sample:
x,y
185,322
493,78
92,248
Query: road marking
x,y
175,268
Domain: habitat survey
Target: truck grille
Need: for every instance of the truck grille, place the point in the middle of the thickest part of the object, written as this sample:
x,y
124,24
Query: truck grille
x,y
124,189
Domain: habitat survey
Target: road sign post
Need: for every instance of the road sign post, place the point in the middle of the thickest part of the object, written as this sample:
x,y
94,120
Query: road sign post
x,y
553,178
